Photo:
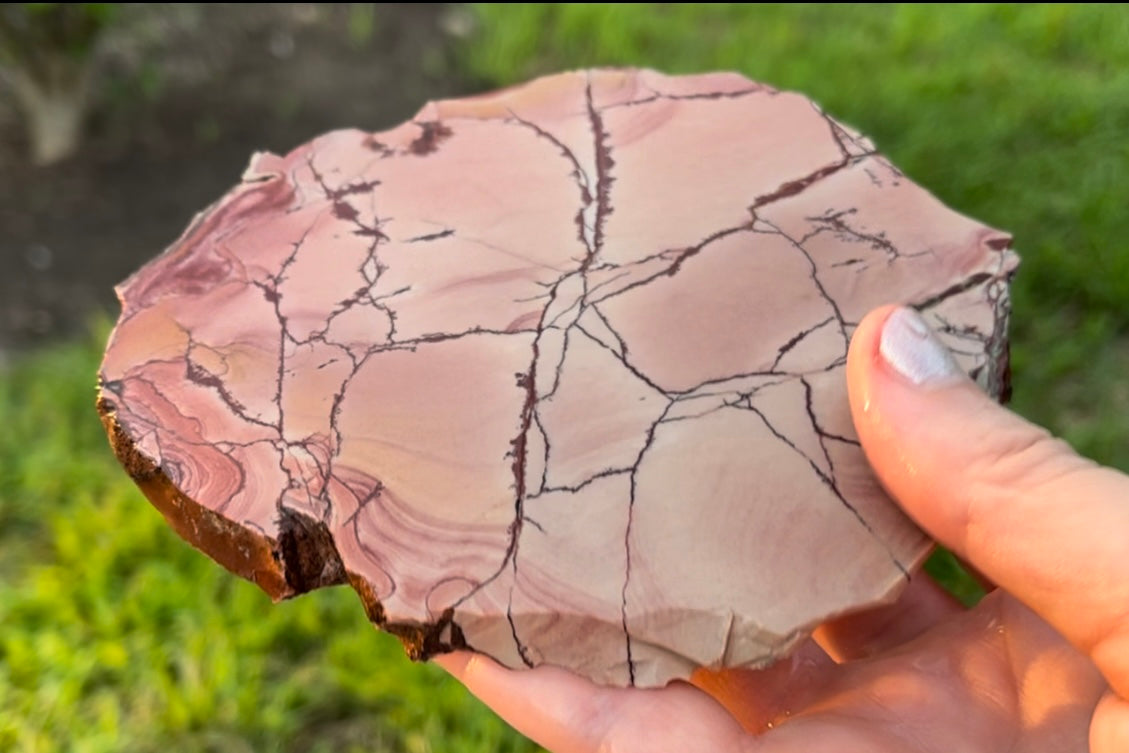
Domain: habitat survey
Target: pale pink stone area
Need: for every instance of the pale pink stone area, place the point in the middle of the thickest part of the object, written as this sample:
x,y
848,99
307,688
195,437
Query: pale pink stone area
x,y
554,373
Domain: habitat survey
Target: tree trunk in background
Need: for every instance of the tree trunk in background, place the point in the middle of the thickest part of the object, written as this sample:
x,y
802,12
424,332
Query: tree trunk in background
x,y
54,107
47,58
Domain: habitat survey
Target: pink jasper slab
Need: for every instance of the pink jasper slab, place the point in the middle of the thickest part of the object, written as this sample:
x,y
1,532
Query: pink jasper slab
x,y
554,373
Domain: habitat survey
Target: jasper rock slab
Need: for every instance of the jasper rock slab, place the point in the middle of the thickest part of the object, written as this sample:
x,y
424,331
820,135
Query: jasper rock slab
x,y
555,374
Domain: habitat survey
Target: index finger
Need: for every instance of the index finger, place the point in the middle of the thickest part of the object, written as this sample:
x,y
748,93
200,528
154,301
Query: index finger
x,y
1047,525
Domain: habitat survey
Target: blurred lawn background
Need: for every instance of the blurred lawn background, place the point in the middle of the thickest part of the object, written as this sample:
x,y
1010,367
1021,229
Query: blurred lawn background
x,y
116,636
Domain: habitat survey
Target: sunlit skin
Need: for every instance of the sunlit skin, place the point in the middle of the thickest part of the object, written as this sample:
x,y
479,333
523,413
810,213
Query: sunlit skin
x,y
1041,664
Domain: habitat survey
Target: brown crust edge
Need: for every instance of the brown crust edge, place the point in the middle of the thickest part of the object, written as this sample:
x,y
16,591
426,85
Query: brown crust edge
x,y
301,559
256,557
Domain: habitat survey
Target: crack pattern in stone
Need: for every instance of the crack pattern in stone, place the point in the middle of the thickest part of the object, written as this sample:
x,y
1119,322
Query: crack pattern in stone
x,y
555,374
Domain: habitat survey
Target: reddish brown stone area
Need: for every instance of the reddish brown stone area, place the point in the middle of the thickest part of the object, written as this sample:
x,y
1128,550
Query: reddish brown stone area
x,y
555,374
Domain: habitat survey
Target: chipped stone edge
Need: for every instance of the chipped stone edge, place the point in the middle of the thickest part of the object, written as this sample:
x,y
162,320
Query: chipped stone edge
x,y
301,559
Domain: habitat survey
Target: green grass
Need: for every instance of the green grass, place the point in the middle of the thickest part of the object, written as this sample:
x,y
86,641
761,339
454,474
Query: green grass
x,y
116,636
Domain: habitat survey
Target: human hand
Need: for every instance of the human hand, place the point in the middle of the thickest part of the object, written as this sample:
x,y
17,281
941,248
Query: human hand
x,y
1042,664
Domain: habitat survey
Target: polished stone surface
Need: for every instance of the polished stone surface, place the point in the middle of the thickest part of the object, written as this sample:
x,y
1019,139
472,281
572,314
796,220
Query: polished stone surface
x,y
554,373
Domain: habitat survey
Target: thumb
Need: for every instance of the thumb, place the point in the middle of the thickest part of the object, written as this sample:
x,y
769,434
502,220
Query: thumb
x,y
1045,524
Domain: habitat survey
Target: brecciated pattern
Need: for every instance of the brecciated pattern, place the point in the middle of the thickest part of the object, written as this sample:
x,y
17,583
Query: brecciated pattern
x,y
556,373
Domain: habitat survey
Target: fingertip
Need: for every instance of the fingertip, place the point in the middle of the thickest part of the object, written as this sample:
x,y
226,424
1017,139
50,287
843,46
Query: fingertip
x,y
862,355
870,328
455,662
862,360
1109,730
895,342
912,405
